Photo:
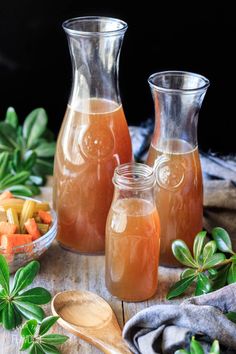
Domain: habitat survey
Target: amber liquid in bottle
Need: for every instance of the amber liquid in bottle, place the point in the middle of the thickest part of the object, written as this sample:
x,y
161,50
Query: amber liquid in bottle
x,y
180,209
92,142
132,249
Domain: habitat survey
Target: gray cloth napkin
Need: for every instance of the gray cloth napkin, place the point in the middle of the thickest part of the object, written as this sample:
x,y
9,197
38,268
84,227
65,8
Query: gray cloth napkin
x,y
166,328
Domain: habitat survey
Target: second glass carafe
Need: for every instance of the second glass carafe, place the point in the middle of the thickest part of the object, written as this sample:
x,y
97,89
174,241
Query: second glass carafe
x,y
174,155
94,136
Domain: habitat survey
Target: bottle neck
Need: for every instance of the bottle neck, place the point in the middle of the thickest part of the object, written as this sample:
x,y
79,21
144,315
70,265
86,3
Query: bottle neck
x,y
134,180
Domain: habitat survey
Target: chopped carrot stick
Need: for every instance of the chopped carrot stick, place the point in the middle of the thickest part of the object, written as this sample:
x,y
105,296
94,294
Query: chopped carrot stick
x,y
8,242
6,195
32,228
45,217
7,228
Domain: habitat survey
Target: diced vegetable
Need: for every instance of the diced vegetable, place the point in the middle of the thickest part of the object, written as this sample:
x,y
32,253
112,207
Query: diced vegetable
x,y
27,213
45,217
3,216
6,195
8,242
12,217
17,204
7,228
43,228
21,222
32,228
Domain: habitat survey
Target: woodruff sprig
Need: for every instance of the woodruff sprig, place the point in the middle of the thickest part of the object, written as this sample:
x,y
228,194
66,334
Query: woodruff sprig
x,y
36,339
26,152
16,303
212,265
196,348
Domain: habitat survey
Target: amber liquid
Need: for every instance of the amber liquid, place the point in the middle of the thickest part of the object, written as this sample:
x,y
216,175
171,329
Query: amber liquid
x,y
180,209
132,249
91,143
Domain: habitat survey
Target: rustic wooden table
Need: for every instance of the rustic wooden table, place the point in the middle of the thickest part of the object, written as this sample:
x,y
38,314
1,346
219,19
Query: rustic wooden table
x,y
61,270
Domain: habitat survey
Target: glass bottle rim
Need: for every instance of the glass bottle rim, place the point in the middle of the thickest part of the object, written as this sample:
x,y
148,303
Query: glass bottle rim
x,y
134,175
69,26
202,87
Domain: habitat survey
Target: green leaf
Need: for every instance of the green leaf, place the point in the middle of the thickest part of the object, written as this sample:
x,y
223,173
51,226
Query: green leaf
x,y
187,272
38,180
47,323
221,278
231,316
208,250
29,160
215,348
39,296
11,180
231,278
180,287
8,135
182,253
25,276
36,349
198,244
16,160
181,351
49,349
55,339
29,328
215,260
4,164
203,284
233,258
212,273
34,125
21,190
11,117
46,149
29,311
222,239
10,316
28,341
195,347
0,317
4,273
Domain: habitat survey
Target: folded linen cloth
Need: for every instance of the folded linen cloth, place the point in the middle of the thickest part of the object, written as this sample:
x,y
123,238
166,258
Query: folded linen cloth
x,y
166,328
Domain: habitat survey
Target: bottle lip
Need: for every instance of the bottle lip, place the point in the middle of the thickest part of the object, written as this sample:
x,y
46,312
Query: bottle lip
x,y
134,175
79,26
199,83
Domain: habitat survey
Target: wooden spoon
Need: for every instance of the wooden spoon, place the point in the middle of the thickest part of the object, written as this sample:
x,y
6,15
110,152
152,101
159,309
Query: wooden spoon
x,y
91,318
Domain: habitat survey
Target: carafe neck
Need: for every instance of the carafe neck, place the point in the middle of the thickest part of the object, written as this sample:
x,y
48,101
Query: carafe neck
x,y
178,97
95,44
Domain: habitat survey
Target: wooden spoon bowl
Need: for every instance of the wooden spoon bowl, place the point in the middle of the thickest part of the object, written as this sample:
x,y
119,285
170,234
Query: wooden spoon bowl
x,y
91,318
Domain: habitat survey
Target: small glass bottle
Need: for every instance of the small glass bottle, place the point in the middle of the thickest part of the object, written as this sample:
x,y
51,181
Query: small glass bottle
x,y
132,234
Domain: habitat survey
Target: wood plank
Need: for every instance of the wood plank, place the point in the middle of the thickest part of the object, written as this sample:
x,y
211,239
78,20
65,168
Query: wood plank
x,y
62,270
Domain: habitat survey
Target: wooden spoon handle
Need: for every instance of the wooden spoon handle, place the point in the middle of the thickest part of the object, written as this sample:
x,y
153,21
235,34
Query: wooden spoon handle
x,y
118,347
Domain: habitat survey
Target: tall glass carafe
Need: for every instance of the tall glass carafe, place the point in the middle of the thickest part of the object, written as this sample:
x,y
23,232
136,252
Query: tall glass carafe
x,y
174,154
94,136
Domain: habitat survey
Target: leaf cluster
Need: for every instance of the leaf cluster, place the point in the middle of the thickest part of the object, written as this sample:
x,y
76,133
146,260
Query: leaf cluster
x,y
17,303
211,266
26,152
36,339
196,348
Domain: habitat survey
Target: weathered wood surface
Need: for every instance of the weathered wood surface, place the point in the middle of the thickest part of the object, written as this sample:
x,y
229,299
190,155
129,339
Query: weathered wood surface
x,y
62,270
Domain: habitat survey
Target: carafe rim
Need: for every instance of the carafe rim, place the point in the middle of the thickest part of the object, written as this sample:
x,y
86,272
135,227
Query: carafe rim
x,y
152,80
67,26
